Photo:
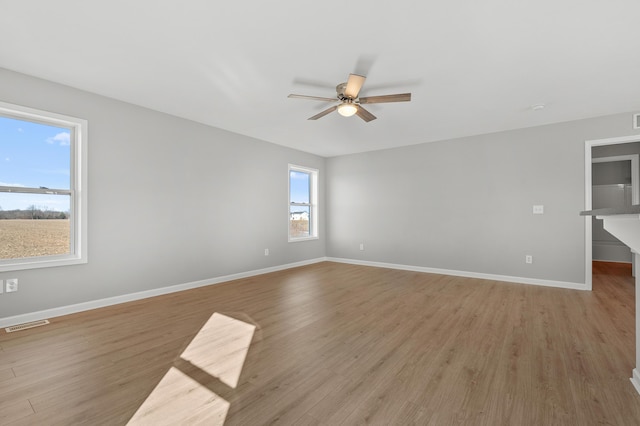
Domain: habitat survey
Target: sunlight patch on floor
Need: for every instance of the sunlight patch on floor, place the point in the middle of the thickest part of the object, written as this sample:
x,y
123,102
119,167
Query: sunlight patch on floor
x,y
221,347
218,351
178,399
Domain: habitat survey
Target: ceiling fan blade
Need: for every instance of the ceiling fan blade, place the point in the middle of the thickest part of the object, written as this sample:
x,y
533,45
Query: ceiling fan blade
x,y
400,97
323,113
354,84
364,114
364,64
313,98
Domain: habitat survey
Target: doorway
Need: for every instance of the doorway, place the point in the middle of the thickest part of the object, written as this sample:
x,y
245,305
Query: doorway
x,y
620,149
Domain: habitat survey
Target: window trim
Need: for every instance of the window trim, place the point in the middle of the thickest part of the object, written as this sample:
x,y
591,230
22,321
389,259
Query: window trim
x,y
313,203
77,191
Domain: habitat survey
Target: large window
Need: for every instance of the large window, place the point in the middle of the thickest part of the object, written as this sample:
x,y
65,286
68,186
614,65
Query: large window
x,y
303,203
42,189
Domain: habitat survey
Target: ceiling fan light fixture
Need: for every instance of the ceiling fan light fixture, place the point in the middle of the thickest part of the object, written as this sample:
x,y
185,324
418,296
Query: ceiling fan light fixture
x,y
347,109
350,102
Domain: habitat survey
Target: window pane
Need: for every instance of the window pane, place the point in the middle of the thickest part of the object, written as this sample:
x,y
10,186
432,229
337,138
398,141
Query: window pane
x,y
299,187
34,155
299,221
34,225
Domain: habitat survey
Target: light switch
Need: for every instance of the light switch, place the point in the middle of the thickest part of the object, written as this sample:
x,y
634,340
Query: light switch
x,y
538,209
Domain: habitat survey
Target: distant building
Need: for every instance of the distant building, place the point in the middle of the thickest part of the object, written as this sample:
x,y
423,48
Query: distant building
x,y
299,216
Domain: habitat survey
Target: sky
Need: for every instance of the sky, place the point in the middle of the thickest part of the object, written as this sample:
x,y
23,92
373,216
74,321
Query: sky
x,y
34,155
299,187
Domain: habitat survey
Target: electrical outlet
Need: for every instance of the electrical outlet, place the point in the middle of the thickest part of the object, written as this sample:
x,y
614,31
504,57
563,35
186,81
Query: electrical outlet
x,y
538,209
12,285
361,246
266,252
528,258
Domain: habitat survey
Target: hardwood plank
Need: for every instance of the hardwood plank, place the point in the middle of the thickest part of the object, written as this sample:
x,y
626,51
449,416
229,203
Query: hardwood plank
x,y
6,374
15,410
336,344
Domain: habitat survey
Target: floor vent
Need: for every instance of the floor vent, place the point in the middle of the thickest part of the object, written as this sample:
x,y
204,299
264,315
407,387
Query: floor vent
x,y
26,325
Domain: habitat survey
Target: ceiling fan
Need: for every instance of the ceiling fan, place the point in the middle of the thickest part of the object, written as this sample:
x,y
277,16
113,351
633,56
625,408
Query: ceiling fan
x,y
350,103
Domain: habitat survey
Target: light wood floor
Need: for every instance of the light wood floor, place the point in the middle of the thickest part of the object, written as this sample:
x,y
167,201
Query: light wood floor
x,y
335,344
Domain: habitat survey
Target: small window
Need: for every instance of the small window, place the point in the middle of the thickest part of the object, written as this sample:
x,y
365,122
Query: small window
x,y
42,189
303,203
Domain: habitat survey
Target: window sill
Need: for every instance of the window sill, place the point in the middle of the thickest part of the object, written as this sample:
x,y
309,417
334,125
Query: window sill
x,y
296,240
40,262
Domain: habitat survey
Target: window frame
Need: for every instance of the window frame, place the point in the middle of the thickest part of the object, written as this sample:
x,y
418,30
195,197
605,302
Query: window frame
x,y
313,203
77,190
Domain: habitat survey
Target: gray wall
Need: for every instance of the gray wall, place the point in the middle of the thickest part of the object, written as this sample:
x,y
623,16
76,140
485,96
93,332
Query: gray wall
x,y
611,173
466,204
170,202
614,150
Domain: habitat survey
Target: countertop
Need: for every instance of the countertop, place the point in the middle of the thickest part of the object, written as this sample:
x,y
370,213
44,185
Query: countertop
x,y
634,209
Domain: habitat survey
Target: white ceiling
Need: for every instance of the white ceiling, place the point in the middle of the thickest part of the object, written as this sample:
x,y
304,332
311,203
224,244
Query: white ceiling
x,y
472,66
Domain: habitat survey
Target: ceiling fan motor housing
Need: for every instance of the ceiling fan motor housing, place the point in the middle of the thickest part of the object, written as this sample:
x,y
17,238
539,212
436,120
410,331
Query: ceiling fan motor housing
x,y
340,88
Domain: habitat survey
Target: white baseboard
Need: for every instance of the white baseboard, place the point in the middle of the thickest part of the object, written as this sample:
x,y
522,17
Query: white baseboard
x,y
95,304
101,303
635,380
506,278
